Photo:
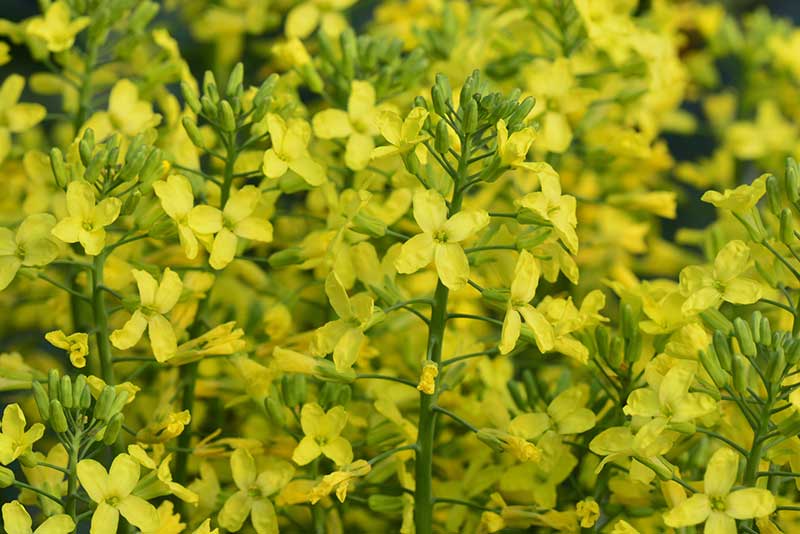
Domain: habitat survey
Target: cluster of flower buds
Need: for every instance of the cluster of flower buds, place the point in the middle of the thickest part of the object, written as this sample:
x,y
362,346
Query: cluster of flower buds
x,y
380,60
70,408
230,111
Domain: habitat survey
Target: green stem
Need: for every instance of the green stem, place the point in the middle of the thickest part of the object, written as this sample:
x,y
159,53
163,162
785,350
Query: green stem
x,y
423,468
85,93
376,376
72,478
28,487
101,320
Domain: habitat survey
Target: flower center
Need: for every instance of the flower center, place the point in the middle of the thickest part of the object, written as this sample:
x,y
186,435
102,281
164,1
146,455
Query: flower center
x,y
718,503
440,236
112,501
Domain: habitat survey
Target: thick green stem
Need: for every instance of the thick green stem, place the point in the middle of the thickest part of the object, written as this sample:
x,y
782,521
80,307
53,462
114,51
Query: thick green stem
x,y
101,320
72,478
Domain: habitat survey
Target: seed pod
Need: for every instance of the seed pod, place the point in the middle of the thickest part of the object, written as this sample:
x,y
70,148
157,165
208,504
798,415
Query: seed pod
x,y
741,373
516,394
102,408
65,393
193,132
42,402
720,377
386,504
442,138
723,350
470,120
773,195
111,432
787,226
745,337
58,421
227,119
53,379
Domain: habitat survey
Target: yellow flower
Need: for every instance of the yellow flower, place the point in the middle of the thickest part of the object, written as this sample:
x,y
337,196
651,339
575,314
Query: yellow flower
x,y
112,491
87,218
17,521
164,427
513,149
55,28
155,301
671,400
5,56
550,206
253,495
205,528
303,18
127,113
30,246
290,151
15,117
76,344
357,124
163,483
740,200
427,379
345,336
718,506
619,443
707,286
523,288
403,135
177,200
322,435
623,527
14,440
588,512
340,481
440,239
236,220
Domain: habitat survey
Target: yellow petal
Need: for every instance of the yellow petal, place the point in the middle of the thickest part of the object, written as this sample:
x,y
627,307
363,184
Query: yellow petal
x,y
749,503
339,450
223,250
105,519
452,265
175,194
526,278
331,124
465,224
123,475
94,479
731,261
243,468
241,204
139,513
255,229
690,512
306,451
263,516
415,254
721,472
337,296
430,210
512,324
16,519
235,511
130,334
162,337
169,291
205,219
57,524
358,151
273,165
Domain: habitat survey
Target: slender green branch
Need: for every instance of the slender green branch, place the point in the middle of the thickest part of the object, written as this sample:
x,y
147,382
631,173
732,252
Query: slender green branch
x,y
448,500
375,376
34,489
456,418
455,359
384,455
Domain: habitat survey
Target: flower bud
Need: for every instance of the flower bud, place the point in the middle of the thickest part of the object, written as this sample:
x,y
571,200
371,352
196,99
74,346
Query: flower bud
x,y
442,138
349,45
745,337
6,477
102,409
722,349
191,98
235,81
209,107
438,101
755,326
78,385
294,390
227,119
65,392
792,180
773,195
369,225
210,86
532,239
716,320
386,504
95,167
531,387
741,373
58,420
53,378
787,226
711,365
86,147
629,321
58,167
286,257
470,120
275,410
42,402
111,431
193,132
516,395
793,352
777,365
120,400
633,348
790,427
86,399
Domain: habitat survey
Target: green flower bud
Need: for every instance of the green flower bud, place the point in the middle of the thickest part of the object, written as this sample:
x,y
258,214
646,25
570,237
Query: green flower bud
x,y
633,348
741,373
722,349
53,379
227,119
6,477
489,437
716,321
787,226
210,86
95,167
325,370
773,195
264,92
516,394
78,385
438,100
532,392
343,396
275,410
120,400
111,432
191,98
58,420
442,138
58,167
412,163
790,427
755,326
286,257
65,392
629,321
102,408
602,340
86,399
532,239
711,365
522,111
777,366
497,298
470,120
209,107
386,504
133,165
130,203
745,337
384,434
312,78
86,147
369,225
42,401
792,180
235,81
793,352
113,157
349,45
294,389
193,132
153,168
